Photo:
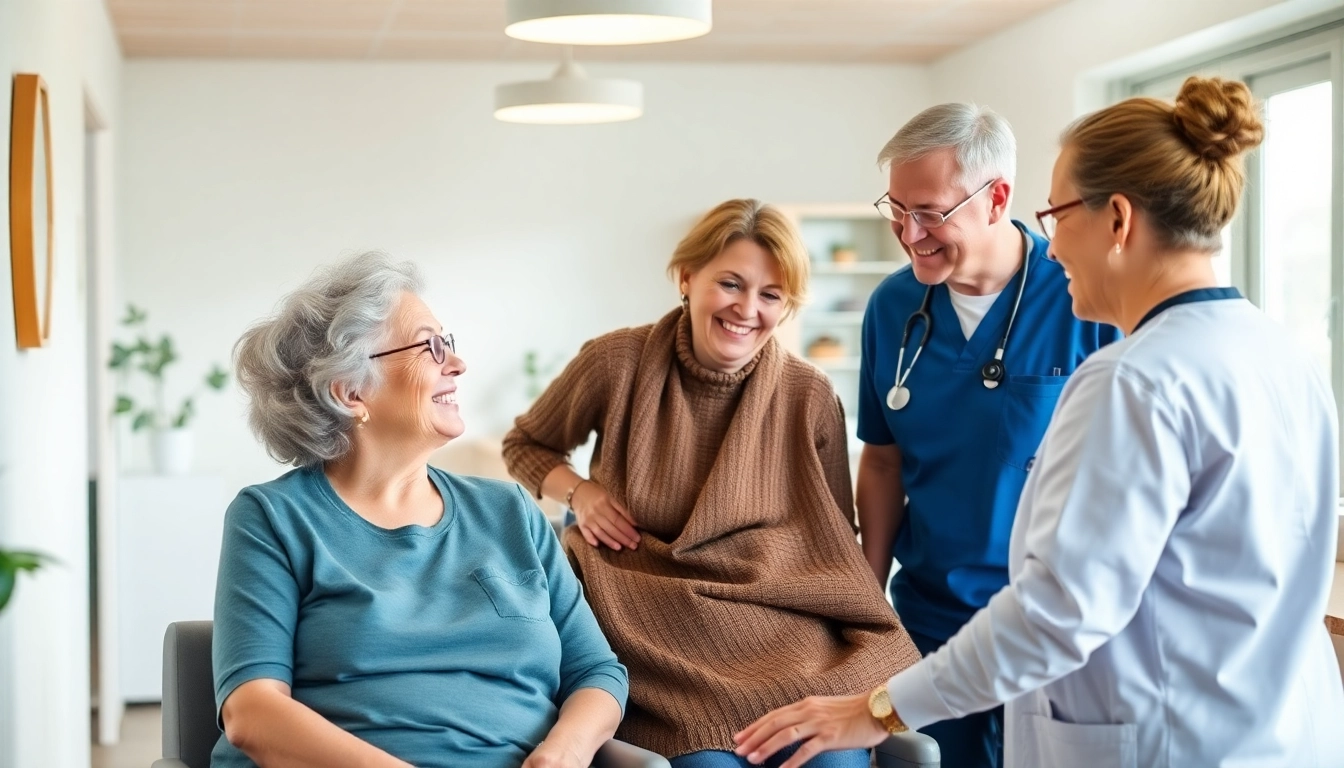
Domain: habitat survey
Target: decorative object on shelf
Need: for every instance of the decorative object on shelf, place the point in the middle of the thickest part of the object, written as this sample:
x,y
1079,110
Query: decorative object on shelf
x,y
849,304
844,253
570,97
30,214
172,441
826,348
607,22
11,563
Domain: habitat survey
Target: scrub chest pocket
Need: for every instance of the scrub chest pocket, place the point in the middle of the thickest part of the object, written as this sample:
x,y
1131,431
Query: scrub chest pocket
x,y
1028,404
524,596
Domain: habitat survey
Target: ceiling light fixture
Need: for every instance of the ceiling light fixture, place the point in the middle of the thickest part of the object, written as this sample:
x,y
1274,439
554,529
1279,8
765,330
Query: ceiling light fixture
x,y
607,22
570,97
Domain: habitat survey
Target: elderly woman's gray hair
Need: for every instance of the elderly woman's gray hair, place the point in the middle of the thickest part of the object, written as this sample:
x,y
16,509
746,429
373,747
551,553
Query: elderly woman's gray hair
x,y
321,336
983,140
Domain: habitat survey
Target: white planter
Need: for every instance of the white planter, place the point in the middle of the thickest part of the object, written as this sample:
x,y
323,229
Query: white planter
x,y
172,451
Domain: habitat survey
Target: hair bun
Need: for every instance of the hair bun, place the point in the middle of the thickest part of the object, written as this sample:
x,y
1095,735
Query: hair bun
x,y
1218,118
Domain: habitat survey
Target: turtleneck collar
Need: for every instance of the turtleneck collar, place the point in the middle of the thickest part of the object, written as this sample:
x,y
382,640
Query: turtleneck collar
x,y
686,357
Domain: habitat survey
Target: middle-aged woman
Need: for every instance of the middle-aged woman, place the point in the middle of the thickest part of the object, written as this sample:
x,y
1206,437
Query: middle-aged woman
x,y
715,537
372,610
1171,558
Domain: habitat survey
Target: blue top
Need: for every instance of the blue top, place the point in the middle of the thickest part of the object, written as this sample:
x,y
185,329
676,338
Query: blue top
x,y
445,646
965,449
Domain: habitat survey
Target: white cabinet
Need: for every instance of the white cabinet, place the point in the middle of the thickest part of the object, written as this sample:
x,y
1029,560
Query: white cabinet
x,y
168,554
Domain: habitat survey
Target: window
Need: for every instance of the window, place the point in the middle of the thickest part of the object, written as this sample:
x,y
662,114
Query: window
x,y
1285,249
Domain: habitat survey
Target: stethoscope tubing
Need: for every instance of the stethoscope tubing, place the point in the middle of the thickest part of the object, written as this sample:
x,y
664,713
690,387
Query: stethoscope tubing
x,y
899,394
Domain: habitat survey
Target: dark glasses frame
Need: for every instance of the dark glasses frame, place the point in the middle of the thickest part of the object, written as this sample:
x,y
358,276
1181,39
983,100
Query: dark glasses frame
x,y
437,351
1048,215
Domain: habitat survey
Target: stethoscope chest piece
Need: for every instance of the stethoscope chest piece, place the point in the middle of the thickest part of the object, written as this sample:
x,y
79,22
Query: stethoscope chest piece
x,y
992,373
897,398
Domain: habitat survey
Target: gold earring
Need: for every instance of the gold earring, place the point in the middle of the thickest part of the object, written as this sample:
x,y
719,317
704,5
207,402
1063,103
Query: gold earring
x,y
364,419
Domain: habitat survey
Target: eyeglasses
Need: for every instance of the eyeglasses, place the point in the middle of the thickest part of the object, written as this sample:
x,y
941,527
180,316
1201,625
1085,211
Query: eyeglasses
x,y
892,211
1048,220
439,346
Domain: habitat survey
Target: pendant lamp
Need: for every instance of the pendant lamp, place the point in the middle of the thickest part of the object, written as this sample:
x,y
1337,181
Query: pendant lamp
x,y
607,22
570,97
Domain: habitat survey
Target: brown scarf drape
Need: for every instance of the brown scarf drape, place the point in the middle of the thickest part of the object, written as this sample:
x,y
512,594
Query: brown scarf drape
x,y
748,591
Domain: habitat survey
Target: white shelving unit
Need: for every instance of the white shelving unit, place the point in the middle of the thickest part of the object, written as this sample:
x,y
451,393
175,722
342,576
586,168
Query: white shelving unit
x,y
840,290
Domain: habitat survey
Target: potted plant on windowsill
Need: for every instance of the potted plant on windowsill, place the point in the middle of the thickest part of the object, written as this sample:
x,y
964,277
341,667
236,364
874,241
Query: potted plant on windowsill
x,y
172,440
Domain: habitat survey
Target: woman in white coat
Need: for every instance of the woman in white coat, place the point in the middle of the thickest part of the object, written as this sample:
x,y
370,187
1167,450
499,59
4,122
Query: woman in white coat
x,y
1171,556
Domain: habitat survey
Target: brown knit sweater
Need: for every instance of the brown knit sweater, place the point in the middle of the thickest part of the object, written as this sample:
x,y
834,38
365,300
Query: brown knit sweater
x,y
748,590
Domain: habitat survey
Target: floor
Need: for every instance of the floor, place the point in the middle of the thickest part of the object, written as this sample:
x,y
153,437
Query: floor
x,y
140,743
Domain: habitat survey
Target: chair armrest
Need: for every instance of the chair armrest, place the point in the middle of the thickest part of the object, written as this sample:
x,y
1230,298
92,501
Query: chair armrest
x,y
168,762
618,754
909,750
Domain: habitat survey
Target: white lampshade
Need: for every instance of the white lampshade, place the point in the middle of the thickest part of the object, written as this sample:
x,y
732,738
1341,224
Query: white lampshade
x,y
569,97
607,22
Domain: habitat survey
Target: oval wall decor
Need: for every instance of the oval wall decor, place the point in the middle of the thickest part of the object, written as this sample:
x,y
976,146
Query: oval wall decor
x,y
30,196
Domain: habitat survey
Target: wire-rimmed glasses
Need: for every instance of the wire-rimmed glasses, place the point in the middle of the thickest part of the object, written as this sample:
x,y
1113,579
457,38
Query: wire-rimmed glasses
x,y
439,347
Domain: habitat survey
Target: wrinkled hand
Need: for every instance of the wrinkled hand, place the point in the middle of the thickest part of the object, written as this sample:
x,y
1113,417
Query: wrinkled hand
x,y
821,723
550,755
601,519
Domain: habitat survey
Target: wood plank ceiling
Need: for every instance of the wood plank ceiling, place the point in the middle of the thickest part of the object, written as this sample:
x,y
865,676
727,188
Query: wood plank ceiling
x,y
822,31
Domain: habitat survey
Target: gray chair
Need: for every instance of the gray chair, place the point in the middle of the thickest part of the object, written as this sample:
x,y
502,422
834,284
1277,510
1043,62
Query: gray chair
x,y
190,731
909,750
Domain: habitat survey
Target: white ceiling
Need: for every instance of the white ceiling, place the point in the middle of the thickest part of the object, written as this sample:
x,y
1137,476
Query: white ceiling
x,y
833,31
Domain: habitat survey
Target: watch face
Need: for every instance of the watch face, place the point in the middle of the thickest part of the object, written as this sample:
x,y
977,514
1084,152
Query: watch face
x,y
879,703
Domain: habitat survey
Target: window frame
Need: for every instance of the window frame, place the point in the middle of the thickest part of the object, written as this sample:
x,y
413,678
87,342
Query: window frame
x,y
1282,60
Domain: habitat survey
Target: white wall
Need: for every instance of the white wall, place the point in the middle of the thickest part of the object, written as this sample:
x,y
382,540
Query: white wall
x,y
44,650
240,177
1043,73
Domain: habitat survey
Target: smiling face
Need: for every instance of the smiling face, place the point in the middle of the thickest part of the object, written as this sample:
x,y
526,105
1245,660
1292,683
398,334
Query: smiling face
x,y
735,303
943,254
417,401
1082,243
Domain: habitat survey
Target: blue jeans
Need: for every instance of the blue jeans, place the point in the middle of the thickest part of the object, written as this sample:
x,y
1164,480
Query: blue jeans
x,y
710,758
974,741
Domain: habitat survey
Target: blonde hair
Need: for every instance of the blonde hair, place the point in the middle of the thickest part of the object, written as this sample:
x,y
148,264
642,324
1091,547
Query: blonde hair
x,y
764,225
1180,163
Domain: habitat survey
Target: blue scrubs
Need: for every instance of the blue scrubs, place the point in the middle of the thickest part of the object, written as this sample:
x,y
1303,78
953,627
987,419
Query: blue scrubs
x,y
965,449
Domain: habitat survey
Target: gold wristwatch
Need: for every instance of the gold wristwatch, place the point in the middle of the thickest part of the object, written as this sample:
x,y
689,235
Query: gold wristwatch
x,y
879,706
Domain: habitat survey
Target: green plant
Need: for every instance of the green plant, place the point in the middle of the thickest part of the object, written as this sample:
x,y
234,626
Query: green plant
x,y
10,565
536,373
151,358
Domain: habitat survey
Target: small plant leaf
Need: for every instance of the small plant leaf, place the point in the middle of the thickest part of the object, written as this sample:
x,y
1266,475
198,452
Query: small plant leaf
x,y
7,579
10,565
124,405
217,378
184,415
134,315
120,356
142,419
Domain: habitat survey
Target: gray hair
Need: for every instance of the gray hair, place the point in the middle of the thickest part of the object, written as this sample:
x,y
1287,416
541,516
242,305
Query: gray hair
x,y
320,337
983,141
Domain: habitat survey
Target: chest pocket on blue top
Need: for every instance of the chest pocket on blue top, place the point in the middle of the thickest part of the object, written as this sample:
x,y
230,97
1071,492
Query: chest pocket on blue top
x,y
1028,404
524,596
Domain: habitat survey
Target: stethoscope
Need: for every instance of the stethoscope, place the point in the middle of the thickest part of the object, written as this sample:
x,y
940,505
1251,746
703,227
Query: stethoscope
x,y
991,372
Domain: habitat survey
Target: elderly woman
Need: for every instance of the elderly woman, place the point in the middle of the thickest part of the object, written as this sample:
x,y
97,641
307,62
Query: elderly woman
x,y
1171,557
372,610
714,534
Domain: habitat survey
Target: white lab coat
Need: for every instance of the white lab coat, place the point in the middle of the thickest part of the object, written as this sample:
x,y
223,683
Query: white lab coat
x,y
1169,564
